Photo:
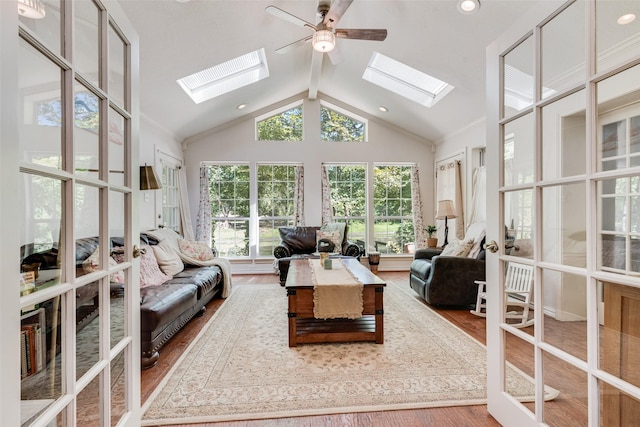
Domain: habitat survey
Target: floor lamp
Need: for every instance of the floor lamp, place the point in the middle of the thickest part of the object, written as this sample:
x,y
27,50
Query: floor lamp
x,y
445,211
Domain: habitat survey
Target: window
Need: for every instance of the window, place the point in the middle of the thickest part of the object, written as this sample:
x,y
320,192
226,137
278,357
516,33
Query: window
x,y
349,199
393,217
230,208
336,125
283,125
170,195
276,203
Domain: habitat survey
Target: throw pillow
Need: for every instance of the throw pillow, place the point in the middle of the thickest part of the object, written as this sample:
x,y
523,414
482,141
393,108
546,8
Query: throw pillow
x,y
458,248
333,236
196,250
168,259
92,263
150,273
338,227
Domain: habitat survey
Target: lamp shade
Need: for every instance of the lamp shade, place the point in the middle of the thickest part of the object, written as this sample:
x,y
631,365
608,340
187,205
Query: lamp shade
x,y
446,210
148,178
324,41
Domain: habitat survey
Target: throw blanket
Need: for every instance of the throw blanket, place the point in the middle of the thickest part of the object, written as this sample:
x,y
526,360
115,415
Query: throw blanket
x,y
171,237
337,294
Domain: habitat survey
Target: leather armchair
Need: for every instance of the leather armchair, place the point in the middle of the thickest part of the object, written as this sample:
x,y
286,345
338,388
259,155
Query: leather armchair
x,y
300,242
446,280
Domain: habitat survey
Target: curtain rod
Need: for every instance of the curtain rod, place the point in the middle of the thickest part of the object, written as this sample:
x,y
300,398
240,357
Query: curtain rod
x,y
450,157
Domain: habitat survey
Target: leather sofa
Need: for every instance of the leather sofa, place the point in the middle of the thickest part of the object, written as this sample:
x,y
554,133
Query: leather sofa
x,y
164,309
300,242
446,280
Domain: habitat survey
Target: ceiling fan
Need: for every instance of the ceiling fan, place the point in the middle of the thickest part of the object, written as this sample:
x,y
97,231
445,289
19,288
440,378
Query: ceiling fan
x,y
324,35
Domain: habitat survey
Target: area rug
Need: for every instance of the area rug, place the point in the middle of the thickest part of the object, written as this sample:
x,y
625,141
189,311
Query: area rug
x,y
240,366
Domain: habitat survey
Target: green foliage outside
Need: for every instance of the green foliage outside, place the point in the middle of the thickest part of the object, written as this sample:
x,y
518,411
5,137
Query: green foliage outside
x,y
286,126
336,126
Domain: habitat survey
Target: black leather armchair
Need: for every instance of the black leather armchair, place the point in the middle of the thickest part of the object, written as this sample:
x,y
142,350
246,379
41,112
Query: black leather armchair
x,y
300,242
446,280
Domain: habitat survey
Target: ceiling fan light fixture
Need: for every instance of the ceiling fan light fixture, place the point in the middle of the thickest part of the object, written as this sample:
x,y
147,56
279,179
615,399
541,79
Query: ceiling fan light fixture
x,y
324,41
468,6
31,9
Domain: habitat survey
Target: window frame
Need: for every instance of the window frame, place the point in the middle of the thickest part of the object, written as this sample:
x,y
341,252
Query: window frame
x,y
349,114
276,112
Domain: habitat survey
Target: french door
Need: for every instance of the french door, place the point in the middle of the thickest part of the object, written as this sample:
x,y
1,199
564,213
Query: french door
x,y
563,179
74,319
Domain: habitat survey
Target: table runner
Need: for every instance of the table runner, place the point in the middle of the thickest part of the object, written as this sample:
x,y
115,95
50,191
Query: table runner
x,y
337,293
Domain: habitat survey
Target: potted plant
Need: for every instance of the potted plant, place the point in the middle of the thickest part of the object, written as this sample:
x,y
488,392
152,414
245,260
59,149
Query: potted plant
x,y
432,242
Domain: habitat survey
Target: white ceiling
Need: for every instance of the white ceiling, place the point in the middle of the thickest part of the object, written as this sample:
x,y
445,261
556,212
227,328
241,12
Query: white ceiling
x,y
180,38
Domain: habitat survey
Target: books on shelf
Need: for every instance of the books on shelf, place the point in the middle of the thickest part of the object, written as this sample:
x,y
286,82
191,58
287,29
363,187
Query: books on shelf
x,y
32,343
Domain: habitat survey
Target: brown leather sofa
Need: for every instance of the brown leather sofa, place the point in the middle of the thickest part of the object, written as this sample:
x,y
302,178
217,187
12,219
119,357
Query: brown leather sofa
x,y
300,242
164,309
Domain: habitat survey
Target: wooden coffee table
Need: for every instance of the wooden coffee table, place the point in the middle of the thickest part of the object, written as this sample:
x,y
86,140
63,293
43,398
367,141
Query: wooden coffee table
x,y
304,328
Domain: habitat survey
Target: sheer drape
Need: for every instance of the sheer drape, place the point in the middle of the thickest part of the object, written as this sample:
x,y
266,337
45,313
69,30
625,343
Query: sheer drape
x,y
298,211
416,208
327,208
479,196
449,187
203,225
185,211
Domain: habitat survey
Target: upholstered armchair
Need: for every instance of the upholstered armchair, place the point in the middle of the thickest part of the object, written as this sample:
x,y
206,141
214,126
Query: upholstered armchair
x,y
446,278
302,241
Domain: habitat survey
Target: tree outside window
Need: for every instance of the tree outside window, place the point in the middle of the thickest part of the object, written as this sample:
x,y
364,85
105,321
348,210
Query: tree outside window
x,y
285,126
335,126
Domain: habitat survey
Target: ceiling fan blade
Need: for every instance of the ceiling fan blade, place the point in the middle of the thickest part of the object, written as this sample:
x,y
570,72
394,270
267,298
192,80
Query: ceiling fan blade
x,y
335,56
295,44
337,9
282,14
361,34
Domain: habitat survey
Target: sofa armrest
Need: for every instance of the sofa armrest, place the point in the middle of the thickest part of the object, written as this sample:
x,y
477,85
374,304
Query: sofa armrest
x,y
350,249
281,251
426,253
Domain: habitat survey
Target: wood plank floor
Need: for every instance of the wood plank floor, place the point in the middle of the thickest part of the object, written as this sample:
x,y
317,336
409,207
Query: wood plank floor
x,y
570,410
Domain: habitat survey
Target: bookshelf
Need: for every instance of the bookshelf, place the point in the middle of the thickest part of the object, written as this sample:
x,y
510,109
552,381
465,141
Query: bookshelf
x,y
33,342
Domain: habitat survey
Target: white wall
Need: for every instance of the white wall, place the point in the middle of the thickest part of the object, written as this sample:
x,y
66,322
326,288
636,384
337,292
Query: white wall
x,y
236,142
153,139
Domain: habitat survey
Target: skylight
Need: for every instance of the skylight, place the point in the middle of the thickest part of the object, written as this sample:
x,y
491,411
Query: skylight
x,y
222,78
405,81
518,88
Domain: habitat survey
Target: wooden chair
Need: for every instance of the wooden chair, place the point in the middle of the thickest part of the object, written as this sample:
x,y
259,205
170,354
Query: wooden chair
x,y
518,289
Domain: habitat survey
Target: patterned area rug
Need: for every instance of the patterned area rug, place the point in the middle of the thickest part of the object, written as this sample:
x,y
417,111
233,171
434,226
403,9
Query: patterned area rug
x,y
240,366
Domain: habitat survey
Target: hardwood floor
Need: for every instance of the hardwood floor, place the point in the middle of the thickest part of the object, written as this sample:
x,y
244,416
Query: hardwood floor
x,y
567,410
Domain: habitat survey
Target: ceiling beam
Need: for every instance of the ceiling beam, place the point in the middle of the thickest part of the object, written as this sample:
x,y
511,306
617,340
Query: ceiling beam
x,y
314,79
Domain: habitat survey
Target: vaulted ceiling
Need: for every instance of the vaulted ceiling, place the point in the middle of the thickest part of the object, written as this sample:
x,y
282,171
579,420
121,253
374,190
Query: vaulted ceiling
x,y
178,38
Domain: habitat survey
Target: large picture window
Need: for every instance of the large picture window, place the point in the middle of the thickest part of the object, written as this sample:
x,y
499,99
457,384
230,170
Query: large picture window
x,y
349,199
393,218
276,203
230,208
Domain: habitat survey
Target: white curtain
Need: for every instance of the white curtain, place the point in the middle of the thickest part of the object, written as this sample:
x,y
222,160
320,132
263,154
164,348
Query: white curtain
x,y
449,187
327,207
203,225
479,196
185,211
416,207
298,211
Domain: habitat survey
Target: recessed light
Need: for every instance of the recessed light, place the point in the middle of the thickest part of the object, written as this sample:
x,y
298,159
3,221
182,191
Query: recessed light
x,y
383,108
241,106
626,19
468,6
